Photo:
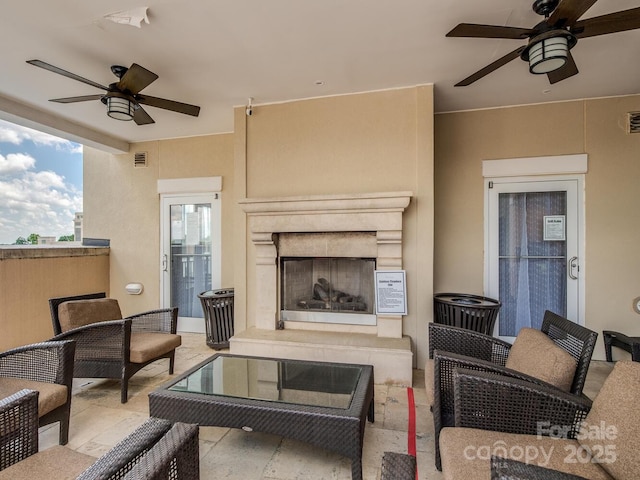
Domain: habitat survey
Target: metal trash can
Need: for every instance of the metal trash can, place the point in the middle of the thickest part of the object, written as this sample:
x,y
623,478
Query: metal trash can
x,y
217,306
464,310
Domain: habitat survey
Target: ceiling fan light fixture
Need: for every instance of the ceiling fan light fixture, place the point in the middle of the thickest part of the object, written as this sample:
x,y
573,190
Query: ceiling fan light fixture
x,y
548,54
120,108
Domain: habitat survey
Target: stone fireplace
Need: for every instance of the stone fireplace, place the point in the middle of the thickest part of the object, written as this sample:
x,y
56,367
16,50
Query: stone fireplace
x,y
314,263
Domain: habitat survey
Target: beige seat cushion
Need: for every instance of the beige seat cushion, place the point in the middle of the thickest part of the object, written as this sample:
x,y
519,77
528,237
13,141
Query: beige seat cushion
x,y
51,395
534,353
613,424
59,463
466,453
146,346
78,313
428,380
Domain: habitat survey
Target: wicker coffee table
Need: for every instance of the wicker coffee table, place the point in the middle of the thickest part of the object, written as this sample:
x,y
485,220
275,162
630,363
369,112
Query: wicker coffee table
x,y
324,404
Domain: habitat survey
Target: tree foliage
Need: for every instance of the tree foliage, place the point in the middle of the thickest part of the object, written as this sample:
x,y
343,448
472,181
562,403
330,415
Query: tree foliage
x,y
32,239
66,238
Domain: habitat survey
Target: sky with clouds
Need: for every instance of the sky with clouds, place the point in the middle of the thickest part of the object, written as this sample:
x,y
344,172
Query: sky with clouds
x,y
40,183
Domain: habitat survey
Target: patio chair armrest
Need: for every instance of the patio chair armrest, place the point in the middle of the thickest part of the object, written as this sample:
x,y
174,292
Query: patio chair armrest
x,y
507,469
161,320
512,405
50,362
444,366
467,342
19,427
102,340
177,451
149,451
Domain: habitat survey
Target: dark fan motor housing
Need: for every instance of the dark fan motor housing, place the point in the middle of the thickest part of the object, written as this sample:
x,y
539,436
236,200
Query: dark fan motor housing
x,y
561,19
131,81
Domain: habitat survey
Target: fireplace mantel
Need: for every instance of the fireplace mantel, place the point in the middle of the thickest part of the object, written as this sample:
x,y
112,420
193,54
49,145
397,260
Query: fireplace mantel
x,y
368,212
327,213
362,201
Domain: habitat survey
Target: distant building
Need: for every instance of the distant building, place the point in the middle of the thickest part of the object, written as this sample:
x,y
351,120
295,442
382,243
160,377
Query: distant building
x,y
46,240
77,227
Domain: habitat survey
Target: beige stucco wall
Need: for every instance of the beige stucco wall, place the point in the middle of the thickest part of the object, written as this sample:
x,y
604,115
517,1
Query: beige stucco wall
x,y
29,277
121,203
373,142
595,127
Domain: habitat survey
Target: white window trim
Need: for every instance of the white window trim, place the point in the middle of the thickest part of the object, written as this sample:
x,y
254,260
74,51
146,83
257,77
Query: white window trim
x,y
189,185
520,167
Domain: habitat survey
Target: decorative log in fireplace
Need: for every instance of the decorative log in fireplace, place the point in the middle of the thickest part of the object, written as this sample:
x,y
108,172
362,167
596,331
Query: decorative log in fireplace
x,y
327,285
325,297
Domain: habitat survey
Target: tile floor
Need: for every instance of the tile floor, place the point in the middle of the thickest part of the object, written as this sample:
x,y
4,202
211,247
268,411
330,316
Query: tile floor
x,y
99,421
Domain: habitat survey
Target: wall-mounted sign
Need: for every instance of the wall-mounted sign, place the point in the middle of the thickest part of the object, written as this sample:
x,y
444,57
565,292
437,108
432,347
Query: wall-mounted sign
x,y
554,228
391,292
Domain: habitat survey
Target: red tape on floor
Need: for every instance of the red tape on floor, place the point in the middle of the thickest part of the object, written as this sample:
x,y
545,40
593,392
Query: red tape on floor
x,y
411,430
411,446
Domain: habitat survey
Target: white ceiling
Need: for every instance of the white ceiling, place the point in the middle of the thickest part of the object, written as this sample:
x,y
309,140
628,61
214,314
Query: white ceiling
x,y
217,53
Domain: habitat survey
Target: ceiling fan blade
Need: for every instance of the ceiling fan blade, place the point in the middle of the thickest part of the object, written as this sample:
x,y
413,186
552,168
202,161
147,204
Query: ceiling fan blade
x,y
141,117
136,78
169,105
569,11
569,69
489,31
611,23
491,67
60,71
82,98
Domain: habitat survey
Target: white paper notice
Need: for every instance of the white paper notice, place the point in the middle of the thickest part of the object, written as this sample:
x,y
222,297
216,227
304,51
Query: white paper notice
x,y
391,292
554,228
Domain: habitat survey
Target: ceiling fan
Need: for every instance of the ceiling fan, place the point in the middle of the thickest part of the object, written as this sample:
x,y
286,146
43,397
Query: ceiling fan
x,y
123,98
550,41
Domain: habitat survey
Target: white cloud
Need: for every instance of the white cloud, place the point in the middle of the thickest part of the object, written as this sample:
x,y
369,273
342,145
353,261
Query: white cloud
x,y
37,202
15,163
31,201
17,134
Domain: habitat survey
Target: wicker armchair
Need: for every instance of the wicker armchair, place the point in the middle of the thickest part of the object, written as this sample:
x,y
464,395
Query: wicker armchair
x,y
452,347
117,348
505,417
48,368
158,449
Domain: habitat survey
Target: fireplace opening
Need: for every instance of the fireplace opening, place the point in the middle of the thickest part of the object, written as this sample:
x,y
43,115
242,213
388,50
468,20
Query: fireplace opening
x,y
328,290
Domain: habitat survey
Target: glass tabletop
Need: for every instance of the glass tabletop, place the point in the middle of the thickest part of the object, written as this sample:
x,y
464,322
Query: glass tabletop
x,y
288,381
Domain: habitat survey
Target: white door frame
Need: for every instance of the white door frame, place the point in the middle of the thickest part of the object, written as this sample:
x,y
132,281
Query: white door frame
x,y
541,169
190,190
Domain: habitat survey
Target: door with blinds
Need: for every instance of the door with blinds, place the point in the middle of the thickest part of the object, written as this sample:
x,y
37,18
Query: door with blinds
x,y
534,260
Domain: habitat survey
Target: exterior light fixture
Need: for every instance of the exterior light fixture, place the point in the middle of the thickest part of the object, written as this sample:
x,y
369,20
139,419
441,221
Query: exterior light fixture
x,y
548,51
134,288
120,107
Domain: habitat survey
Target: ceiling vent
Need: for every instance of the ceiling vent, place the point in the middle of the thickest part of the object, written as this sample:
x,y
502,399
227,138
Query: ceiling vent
x,y
140,160
633,122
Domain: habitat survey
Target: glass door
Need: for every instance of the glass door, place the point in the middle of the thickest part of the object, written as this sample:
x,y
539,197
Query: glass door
x,y
190,255
534,252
